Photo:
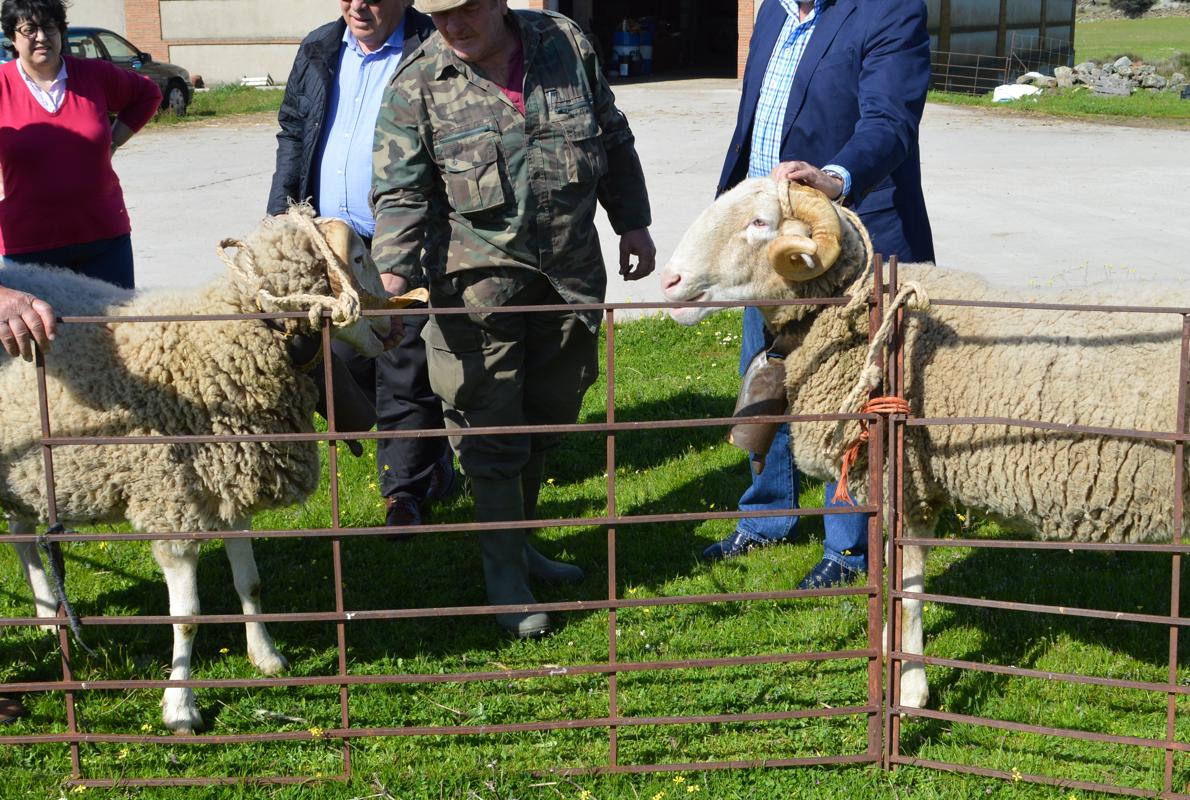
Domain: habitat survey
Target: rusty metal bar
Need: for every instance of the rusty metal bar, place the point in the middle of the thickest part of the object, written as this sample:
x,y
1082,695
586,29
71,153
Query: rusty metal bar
x,y
450,677
613,684
600,427
1175,582
896,523
701,766
453,611
1093,308
591,427
332,455
1064,783
1042,730
600,307
326,533
1030,544
875,580
1038,608
51,501
1045,675
449,730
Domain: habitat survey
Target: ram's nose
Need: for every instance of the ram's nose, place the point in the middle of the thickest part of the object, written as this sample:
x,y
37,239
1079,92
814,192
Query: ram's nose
x,y
670,280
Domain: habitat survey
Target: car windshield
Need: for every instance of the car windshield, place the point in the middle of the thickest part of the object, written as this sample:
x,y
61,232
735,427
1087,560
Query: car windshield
x,y
82,46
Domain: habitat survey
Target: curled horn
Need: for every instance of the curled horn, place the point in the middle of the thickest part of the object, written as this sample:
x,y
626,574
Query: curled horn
x,y
822,246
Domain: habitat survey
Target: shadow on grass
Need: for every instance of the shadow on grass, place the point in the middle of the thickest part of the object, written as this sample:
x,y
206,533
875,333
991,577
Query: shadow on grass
x,y
1124,582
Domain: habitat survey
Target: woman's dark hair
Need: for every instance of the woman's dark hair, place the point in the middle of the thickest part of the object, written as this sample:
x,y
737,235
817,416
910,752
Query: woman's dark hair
x,y
40,12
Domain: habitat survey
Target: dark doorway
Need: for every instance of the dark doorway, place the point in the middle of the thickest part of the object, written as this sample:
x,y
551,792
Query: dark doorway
x,y
690,37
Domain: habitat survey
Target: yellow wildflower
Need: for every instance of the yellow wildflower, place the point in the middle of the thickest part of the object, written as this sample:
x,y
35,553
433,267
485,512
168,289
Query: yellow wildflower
x,y
692,788
223,651
679,779
1016,775
317,732
659,795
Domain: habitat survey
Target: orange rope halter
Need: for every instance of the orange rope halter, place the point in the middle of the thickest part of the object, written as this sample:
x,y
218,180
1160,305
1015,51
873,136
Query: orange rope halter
x,y
877,405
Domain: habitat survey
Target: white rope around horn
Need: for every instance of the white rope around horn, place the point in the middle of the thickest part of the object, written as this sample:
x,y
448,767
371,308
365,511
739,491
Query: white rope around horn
x,y
869,376
344,308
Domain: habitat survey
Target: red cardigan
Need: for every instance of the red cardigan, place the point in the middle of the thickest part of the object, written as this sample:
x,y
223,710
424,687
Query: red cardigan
x,y
56,173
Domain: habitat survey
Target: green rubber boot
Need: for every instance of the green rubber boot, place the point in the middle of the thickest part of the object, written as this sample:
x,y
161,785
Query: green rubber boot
x,y
505,566
540,567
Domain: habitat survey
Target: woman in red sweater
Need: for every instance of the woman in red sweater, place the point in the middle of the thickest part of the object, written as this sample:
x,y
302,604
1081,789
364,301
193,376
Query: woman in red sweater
x,y
60,199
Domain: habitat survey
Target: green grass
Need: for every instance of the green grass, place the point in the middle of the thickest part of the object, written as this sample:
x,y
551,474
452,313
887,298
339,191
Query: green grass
x,y
1080,103
663,372
228,100
1152,40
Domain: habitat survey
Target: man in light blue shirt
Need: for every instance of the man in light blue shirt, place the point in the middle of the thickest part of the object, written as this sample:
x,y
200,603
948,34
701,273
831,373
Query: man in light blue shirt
x,y
324,156
832,96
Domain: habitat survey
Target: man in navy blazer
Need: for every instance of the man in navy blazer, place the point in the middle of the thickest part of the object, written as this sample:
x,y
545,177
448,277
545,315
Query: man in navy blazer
x,y
832,97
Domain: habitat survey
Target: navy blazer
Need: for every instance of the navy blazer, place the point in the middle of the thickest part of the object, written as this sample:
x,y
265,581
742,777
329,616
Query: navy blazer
x,y
856,101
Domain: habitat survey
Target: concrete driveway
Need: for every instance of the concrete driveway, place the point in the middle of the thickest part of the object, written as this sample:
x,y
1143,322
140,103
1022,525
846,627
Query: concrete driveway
x,y
1020,200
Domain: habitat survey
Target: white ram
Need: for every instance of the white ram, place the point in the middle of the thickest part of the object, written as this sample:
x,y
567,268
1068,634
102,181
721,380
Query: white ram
x,y
185,378
768,241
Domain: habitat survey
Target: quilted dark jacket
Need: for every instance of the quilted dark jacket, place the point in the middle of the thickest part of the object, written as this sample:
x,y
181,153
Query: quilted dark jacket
x,y
303,110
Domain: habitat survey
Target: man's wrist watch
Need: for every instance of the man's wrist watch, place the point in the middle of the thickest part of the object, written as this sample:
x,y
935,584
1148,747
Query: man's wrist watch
x,y
842,196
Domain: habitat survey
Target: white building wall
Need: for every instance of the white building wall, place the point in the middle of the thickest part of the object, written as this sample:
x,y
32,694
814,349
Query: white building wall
x,y
99,13
243,19
227,63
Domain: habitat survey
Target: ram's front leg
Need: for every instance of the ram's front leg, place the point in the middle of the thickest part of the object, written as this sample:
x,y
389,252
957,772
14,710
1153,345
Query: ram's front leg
x,y
43,596
261,650
179,564
915,691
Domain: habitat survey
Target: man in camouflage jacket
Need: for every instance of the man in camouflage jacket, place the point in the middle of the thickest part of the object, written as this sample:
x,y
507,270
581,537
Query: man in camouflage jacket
x,y
494,143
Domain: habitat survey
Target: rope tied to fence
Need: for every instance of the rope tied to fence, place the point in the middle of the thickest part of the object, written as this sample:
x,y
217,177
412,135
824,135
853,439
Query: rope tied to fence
x,y
869,379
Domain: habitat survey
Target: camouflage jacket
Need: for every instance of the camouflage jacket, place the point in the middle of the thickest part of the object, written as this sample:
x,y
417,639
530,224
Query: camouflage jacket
x,y
461,180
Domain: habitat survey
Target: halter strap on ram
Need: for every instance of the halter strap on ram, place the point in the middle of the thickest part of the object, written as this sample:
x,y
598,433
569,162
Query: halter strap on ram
x,y
331,239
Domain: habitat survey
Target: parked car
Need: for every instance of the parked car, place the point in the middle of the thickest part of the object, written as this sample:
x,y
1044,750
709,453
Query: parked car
x,y
173,81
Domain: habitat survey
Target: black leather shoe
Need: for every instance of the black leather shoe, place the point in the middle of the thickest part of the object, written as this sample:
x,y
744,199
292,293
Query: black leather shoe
x,y
737,544
827,573
11,710
444,479
403,510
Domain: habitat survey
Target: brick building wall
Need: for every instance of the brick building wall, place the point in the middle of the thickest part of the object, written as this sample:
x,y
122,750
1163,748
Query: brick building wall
x,y
745,22
142,25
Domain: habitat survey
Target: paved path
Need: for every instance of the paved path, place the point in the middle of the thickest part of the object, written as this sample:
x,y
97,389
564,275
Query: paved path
x,y
1021,200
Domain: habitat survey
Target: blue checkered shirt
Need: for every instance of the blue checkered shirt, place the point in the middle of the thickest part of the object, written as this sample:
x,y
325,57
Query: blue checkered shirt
x,y
769,121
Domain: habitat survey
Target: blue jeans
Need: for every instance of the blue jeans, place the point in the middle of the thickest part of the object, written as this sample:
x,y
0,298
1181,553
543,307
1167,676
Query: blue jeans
x,y
778,484
106,259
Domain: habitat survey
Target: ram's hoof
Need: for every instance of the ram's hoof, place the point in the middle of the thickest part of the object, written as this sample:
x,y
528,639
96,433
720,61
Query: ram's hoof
x,y
269,662
179,711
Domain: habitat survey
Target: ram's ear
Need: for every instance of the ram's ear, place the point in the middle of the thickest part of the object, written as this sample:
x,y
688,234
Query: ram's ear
x,y
795,258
